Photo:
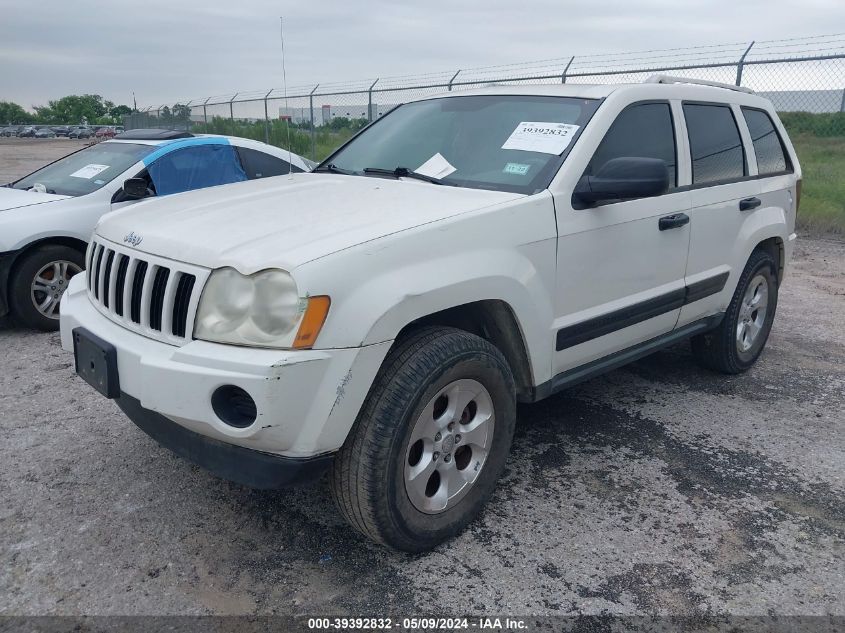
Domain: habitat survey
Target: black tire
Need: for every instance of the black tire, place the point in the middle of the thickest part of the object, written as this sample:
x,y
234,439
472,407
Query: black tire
x,y
719,349
21,302
368,475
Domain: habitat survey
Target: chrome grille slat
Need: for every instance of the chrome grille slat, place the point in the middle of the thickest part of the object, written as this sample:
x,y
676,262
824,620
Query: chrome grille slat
x,y
137,291
152,295
167,302
108,279
95,279
160,279
181,302
146,291
127,288
120,285
89,261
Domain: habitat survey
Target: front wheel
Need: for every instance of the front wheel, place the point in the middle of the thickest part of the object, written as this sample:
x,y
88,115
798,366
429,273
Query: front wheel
x,y
430,442
735,345
38,283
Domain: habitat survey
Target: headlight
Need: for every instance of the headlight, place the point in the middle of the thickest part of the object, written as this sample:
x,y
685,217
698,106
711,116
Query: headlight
x,y
263,309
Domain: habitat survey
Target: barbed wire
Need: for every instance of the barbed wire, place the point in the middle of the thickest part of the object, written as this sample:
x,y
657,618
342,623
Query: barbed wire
x,y
702,56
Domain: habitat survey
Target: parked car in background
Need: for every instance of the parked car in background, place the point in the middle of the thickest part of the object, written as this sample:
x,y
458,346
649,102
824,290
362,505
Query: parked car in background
x,y
381,317
61,130
46,218
45,132
81,132
104,132
12,130
27,131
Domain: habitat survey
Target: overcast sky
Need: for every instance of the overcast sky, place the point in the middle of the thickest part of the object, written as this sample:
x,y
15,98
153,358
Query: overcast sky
x,y
185,49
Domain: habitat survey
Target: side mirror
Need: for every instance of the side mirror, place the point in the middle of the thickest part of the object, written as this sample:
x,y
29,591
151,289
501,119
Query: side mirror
x,y
134,189
623,178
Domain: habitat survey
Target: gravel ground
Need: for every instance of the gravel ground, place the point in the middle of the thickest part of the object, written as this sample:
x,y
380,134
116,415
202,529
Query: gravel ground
x,y
21,156
659,488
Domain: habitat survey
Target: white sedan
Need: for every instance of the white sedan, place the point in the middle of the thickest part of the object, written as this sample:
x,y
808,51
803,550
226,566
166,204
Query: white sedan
x,y
47,217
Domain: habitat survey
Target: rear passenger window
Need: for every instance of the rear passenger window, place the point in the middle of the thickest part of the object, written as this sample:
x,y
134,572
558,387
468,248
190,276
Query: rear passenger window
x,y
767,144
715,144
260,165
644,130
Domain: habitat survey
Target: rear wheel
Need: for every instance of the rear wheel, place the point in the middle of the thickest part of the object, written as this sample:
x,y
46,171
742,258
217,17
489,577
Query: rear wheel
x,y
739,340
39,280
430,442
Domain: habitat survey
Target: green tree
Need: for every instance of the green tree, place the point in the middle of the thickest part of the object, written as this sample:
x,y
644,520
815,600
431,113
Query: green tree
x,y
340,123
181,113
118,112
72,109
11,114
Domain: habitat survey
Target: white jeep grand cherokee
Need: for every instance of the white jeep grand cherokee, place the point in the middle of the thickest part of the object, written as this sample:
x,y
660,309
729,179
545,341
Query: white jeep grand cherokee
x,y
382,316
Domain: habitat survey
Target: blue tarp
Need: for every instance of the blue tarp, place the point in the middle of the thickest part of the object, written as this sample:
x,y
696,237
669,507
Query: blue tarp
x,y
195,167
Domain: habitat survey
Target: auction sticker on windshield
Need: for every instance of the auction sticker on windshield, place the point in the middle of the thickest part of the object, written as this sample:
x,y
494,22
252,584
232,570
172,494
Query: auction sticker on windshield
x,y
536,136
89,171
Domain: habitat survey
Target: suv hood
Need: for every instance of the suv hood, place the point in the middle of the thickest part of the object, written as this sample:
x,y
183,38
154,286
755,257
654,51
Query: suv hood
x,y
286,221
16,198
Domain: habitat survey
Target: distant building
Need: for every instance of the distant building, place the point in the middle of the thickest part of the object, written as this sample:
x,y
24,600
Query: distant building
x,y
816,101
325,113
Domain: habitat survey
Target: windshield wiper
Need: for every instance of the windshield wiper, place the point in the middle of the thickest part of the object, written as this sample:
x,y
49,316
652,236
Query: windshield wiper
x,y
403,172
331,167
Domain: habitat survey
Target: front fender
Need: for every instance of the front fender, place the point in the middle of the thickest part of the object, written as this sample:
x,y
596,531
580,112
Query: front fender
x,y
506,254
66,218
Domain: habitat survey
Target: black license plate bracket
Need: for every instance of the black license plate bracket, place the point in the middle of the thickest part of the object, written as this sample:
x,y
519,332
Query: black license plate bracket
x,y
96,362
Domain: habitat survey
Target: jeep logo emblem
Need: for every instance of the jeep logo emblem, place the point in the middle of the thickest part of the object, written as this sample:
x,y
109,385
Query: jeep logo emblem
x,y
133,239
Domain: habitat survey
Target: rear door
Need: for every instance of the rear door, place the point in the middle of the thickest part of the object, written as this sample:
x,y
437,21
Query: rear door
x,y
620,278
724,196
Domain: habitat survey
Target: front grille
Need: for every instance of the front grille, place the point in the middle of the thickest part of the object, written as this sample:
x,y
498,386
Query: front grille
x,y
152,295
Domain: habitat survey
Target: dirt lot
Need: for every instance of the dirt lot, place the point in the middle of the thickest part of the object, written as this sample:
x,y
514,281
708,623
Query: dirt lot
x,y
20,156
659,488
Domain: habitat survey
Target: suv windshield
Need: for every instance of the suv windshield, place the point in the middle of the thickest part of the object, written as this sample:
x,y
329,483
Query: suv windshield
x,y
503,142
87,170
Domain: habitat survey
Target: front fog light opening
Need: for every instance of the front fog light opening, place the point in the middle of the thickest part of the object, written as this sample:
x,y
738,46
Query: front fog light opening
x,y
234,406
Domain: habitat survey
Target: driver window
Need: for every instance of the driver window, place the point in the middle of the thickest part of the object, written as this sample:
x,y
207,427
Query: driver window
x,y
643,130
195,167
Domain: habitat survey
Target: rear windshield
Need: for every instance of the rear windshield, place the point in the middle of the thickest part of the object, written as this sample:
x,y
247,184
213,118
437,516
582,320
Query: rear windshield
x,y
85,171
502,142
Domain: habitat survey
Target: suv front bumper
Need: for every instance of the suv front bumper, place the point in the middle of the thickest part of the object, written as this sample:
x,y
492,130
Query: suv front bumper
x,y
241,465
306,400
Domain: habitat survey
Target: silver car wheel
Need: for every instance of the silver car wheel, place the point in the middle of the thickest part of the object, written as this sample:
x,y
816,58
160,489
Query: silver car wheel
x,y
752,313
449,445
50,284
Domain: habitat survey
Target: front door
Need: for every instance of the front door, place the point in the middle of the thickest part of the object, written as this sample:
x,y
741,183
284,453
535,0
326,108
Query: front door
x,y
620,270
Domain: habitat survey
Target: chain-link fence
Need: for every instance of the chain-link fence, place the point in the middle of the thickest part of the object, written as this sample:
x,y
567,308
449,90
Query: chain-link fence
x,y
803,77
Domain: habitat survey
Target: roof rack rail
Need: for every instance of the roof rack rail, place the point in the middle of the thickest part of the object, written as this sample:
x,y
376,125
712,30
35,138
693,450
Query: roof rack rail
x,y
669,79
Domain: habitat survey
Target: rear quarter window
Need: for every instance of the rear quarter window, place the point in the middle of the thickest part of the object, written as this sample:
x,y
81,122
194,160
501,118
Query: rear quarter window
x,y
260,165
768,146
